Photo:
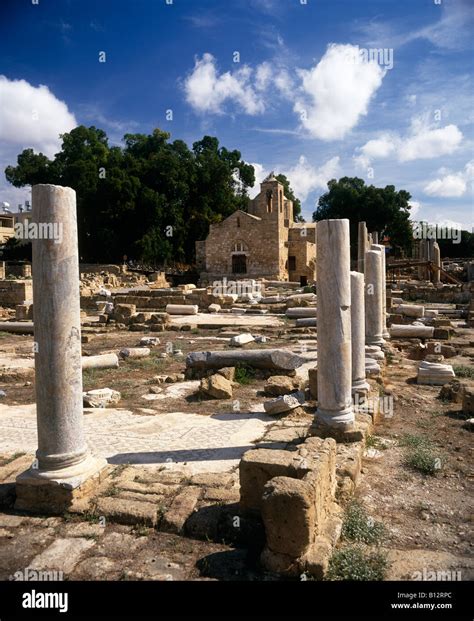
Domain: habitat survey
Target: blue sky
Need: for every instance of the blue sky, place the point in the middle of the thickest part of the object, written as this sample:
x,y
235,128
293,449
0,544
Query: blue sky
x,y
381,89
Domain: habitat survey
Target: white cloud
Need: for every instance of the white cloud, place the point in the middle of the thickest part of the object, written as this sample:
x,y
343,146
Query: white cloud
x,y
304,178
336,92
415,207
423,141
428,142
207,90
451,185
31,116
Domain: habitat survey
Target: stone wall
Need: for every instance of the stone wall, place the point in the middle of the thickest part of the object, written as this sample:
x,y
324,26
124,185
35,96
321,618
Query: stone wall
x,y
14,292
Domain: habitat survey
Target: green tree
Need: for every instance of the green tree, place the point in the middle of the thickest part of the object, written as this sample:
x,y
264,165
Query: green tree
x,y
385,210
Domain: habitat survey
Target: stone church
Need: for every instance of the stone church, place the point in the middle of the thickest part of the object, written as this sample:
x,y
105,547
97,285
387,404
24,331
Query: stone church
x,y
263,243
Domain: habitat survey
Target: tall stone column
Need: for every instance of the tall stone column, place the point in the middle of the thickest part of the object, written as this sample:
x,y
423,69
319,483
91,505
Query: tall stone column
x,y
362,243
334,325
373,298
385,332
437,263
359,384
422,257
63,461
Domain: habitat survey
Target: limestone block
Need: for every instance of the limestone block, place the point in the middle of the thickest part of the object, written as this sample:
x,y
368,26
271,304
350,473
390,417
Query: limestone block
x,y
149,341
182,309
123,312
434,373
453,391
100,398
289,515
180,509
214,308
284,404
258,466
241,339
217,387
278,385
411,310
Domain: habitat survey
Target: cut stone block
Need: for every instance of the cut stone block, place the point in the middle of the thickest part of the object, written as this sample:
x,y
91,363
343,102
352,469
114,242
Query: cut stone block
x,y
181,508
127,511
434,373
241,339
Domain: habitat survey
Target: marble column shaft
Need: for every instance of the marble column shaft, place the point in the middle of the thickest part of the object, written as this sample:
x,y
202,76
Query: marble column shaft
x,y
334,323
359,383
57,330
373,298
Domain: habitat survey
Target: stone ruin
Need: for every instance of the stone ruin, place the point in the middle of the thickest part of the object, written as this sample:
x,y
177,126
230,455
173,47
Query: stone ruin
x,y
293,483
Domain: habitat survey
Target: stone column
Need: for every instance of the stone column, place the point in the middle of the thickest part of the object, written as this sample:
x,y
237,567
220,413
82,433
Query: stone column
x,y
334,325
437,263
2,270
385,332
375,237
421,257
373,298
361,246
63,460
359,385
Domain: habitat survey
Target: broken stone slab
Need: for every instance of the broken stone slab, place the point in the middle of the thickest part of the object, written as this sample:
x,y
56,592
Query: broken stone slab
x,y
103,361
434,373
135,352
149,341
62,555
278,385
182,309
101,397
271,359
228,373
216,386
411,332
306,322
214,308
241,339
284,404
431,312
411,310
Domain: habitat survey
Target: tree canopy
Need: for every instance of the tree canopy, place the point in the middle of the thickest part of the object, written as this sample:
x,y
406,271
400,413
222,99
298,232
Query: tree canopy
x,y
385,210
150,200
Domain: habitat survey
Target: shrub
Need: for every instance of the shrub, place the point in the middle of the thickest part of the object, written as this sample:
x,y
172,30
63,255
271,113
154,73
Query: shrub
x,y
355,563
359,526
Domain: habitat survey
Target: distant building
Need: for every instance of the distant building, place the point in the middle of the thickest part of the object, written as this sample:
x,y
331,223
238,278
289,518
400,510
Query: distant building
x,y
8,221
266,242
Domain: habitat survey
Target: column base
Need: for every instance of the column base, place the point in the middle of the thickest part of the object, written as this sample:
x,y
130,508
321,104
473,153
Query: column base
x,y
360,387
56,491
386,334
375,340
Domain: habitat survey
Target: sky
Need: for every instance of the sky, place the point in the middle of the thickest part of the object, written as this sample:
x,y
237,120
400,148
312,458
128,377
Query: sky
x,y
314,89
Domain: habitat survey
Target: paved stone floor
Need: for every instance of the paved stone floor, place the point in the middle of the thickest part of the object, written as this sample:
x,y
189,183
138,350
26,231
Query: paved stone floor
x,y
204,443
